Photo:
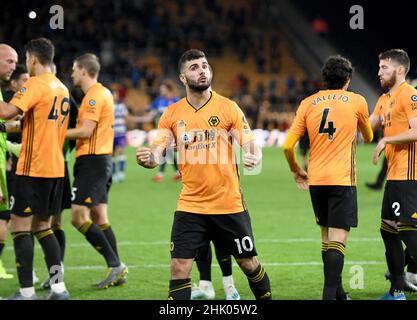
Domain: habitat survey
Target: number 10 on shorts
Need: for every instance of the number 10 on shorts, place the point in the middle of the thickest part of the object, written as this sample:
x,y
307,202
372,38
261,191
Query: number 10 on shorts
x,y
245,244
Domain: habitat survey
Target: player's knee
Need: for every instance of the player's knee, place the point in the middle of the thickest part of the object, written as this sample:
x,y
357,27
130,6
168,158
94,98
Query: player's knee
x,y
99,217
248,265
79,215
78,220
181,268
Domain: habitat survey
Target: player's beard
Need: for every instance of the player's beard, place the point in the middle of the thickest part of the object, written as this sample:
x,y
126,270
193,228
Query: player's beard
x,y
387,84
193,85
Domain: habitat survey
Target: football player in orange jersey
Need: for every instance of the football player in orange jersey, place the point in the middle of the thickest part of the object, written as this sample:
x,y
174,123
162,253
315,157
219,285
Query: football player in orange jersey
x,y
331,118
40,170
396,112
210,206
93,167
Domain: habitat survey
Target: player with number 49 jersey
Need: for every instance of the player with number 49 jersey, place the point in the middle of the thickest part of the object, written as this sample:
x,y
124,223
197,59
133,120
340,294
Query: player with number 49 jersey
x,y
44,127
332,118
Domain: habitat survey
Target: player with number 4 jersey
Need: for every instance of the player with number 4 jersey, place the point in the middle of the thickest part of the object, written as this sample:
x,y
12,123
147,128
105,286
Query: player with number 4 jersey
x,y
332,118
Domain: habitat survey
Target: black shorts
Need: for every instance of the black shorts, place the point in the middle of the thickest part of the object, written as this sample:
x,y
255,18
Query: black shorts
x,y
231,233
5,215
40,196
92,180
400,201
66,195
335,206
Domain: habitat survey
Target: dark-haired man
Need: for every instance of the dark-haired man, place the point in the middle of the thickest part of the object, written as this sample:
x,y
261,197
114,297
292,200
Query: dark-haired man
x,y
396,112
331,117
211,206
40,169
93,166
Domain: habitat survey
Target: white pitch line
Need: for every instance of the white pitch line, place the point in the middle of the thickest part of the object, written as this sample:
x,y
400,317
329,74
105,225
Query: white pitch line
x,y
266,264
166,243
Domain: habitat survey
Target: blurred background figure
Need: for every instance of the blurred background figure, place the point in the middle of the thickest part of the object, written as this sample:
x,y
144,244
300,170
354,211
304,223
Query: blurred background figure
x,y
120,118
167,96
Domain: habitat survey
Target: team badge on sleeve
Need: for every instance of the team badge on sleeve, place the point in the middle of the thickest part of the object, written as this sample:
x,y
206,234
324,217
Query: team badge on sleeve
x,y
92,102
414,98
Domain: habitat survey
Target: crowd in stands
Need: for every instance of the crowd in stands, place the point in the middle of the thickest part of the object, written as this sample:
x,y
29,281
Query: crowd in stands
x,y
139,43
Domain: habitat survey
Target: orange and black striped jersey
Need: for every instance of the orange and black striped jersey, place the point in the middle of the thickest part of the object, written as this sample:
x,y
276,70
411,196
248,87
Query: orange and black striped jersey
x,y
204,140
98,106
45,101
395,112
332,119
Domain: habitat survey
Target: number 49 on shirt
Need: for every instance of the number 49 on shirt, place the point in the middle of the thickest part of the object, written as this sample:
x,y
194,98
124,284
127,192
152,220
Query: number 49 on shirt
x,y
53,114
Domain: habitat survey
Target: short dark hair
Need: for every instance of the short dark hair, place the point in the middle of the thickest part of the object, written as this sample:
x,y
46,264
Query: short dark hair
x,y
337,70
189,55
90,63
20,69
398,55
43,49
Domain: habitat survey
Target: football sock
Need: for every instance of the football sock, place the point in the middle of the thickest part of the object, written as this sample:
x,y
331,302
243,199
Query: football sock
x,y
99,241
60,236
394,255
204,267
340,292
52,252
180,289
111,238
408,235
259,284
23,248
225,263
333,267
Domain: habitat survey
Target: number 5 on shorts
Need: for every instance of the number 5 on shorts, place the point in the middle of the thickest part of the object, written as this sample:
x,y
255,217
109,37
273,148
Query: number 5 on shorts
x,y
73,194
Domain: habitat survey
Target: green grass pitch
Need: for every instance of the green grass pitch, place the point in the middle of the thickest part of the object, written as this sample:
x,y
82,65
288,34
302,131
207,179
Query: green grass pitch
x,y
286,237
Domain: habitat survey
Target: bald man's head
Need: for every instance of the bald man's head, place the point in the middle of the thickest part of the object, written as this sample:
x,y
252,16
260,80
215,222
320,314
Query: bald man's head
x,y
8,60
